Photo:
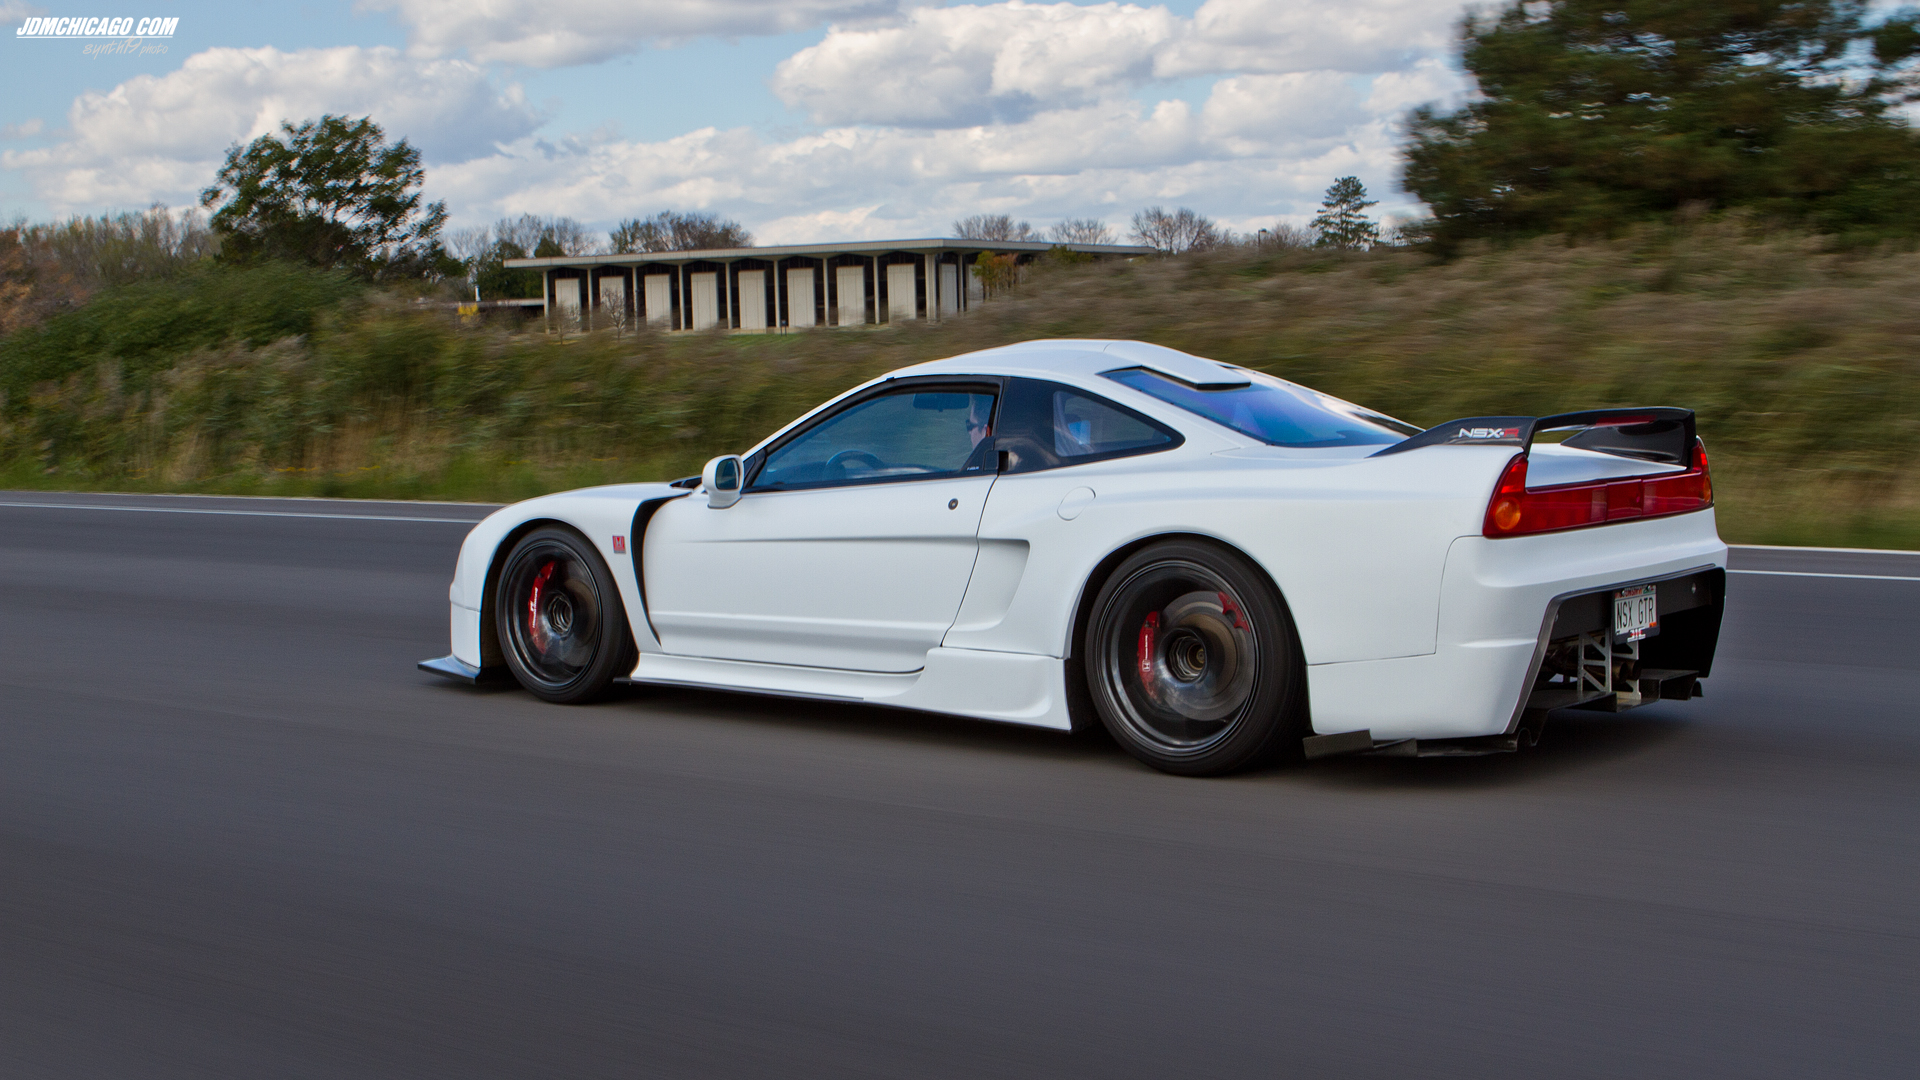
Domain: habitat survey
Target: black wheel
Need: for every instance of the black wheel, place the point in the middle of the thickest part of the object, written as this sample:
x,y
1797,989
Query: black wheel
x,y
559,618
1192,662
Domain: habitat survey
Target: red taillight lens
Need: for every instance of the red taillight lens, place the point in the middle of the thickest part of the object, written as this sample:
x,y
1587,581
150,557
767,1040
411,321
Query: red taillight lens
x,y
1516,511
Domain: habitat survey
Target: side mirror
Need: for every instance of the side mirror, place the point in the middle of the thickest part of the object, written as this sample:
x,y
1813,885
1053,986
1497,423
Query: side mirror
x,y
722,478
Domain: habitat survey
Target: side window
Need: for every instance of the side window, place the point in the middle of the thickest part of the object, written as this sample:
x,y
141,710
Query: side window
x,y
1046,425
1089,427
910,434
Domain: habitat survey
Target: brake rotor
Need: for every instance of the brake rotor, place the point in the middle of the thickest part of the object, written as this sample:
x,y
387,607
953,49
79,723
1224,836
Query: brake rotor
x,y
1195,656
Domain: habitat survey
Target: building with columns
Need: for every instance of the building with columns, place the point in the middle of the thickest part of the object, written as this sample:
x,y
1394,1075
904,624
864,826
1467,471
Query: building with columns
x,y
779,288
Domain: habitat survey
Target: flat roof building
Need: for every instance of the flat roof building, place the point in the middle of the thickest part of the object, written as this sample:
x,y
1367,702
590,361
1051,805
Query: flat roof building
x,y
778,288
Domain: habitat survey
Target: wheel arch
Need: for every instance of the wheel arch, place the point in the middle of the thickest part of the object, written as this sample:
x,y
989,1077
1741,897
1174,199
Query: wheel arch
x,y
491,654
1097,580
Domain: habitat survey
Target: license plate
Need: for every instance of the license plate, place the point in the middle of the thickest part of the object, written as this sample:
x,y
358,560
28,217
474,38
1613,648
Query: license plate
x,y
1634,613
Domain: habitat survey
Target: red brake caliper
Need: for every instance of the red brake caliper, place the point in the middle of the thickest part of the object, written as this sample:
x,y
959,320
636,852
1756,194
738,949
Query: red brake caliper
x,y
533,606
1231,611
1149,630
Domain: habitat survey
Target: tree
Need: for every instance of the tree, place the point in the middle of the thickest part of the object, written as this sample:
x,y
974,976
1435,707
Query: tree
x,y
16,282
1173,232
1283,236
1593,114
993,227
997,273
494,280
483,251
331,193
1342,221
672,231
547,237
1081,231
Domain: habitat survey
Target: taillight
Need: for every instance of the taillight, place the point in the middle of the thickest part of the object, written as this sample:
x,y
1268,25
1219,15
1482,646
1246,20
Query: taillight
x,y
1516,510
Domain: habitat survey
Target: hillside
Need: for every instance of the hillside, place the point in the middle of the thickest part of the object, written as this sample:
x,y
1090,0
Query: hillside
x,y
1803,362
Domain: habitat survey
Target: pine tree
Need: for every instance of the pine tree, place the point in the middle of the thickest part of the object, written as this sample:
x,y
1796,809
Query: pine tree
x,y
1342,221
1594,114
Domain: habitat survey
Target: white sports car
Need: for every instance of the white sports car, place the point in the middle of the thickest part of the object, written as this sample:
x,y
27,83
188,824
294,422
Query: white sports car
x,y
1215,564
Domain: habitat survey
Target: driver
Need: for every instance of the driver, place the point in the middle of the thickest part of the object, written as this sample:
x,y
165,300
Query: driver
x,y
979,411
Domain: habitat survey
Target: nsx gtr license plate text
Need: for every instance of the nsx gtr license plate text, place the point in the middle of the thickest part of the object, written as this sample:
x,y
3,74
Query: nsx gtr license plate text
x,y
1635,615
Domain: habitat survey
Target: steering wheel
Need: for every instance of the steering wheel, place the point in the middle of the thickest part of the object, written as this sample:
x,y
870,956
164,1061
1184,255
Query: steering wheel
x,y
838,462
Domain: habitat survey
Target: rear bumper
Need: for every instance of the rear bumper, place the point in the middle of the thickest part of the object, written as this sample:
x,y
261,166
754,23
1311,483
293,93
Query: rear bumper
x,y
1499,603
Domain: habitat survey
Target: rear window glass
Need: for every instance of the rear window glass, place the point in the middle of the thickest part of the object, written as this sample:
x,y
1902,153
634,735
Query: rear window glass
x,y
1274,411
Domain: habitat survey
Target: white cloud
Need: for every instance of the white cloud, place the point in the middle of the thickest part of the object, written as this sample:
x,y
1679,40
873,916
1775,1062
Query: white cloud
x,y
15,12
163,137
1103,160
1043,111
1431,80
961,66
25,129
1006,62
1291,35
538,33
1256,111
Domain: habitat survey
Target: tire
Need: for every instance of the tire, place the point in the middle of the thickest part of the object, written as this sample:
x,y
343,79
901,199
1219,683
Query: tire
x,y
1192,660
559,618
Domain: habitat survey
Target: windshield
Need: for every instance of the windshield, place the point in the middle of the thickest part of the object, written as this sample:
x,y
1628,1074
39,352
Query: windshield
x,y
1274,411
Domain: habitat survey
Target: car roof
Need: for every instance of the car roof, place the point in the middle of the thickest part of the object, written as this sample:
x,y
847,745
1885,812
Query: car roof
x,y
1081,357
1071,360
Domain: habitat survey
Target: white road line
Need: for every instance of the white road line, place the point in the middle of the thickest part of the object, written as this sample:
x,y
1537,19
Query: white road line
x,y
1833,550
242,513
1810,573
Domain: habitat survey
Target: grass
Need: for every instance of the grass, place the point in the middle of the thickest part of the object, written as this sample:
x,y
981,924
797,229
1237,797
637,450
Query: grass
x,y
1801,360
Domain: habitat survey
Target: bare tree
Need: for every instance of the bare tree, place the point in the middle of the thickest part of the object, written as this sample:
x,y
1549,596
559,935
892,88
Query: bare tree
x,y
993,227
1407,232
484,250
469,243
122,248
1173,232
50,267
670,230
544,237
1282,237
1081,231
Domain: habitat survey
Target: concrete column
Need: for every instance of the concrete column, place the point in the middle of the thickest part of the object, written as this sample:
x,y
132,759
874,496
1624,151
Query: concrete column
x,y
933,286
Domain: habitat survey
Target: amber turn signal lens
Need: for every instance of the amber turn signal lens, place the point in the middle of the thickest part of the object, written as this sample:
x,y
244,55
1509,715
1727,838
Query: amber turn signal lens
x,y
1506,514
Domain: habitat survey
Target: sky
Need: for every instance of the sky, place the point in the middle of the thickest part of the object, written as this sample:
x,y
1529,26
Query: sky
x,y
806,120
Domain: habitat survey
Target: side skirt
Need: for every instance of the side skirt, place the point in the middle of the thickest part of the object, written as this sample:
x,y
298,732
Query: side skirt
x,y
1014,688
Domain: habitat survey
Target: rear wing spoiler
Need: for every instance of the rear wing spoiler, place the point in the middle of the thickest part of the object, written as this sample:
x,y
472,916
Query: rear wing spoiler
x,y
1662,435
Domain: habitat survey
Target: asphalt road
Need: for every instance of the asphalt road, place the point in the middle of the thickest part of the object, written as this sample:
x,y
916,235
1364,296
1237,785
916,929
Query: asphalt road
x,y
240,836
